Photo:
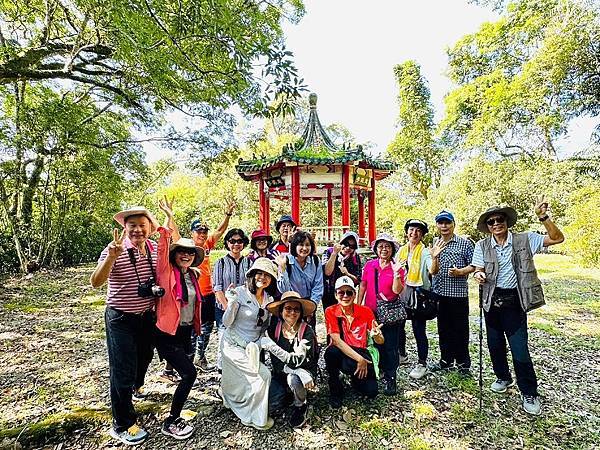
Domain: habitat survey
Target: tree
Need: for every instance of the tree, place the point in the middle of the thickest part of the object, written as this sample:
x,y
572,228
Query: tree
x,y
521,79
415,147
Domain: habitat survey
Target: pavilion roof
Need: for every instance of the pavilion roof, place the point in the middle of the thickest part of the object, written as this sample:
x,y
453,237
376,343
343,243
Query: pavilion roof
x,y
314,147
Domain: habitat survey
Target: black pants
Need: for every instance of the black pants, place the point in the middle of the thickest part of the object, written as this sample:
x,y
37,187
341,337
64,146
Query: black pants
x,y
388,351
510,323
336,361
453,330
419,330
129,339
176,350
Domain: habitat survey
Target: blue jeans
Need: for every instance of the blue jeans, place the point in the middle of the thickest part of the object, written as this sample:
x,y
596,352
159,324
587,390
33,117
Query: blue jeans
x,y
130,344
208,315
510,323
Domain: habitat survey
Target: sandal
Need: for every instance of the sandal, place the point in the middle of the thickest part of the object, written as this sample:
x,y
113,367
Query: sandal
x,y
170,376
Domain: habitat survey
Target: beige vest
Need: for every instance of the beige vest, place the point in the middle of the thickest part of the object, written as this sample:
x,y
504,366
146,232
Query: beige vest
x,y
529,285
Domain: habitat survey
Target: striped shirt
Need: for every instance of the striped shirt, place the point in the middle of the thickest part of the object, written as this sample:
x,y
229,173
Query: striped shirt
x,y
227,271
122,280
457,253
507,278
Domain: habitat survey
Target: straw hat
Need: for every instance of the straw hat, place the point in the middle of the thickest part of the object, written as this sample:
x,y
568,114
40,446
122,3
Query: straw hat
x,y
308,306
265,265
121,217
506,211
188,243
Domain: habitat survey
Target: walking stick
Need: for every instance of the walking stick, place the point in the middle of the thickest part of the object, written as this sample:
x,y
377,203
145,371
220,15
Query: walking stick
x,y
480,348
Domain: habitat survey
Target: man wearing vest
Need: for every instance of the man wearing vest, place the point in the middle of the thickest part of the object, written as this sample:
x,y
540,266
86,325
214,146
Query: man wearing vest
x,y
510,287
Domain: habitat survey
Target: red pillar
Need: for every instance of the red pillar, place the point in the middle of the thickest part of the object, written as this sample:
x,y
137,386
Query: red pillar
x,y
296,194
329,213
361,214
345,197
372,227
263,209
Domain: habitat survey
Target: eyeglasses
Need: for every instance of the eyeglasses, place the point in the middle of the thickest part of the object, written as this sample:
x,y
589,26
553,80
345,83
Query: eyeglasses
x,y
201,230
236,241
296,309
347,293
259,318
494,220
352,246
185,251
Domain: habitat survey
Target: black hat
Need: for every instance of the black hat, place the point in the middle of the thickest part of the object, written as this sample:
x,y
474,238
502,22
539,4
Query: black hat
x,y
506,211
416,223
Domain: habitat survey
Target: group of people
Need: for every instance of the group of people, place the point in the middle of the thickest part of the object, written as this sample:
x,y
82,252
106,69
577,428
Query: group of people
x,y
164,295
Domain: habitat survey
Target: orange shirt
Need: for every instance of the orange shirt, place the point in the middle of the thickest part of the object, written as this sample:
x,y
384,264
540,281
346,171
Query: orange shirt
x,y
356,334
205,279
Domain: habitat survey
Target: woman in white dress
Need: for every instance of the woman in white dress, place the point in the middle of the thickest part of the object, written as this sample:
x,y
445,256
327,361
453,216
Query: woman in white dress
x,y
245,380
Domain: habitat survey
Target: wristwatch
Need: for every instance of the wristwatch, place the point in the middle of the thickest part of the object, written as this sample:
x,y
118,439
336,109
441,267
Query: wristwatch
x,y
543,218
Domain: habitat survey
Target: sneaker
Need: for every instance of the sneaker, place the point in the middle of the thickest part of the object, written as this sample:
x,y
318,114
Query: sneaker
x,y
418,371
138,395
170,376
389,386
403,359
501,386
298,417
266,426
335,402
439,366
134,435
178,429
204,366
532,404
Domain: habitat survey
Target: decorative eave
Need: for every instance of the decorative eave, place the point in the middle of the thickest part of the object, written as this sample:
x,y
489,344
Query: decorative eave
x,y
315,148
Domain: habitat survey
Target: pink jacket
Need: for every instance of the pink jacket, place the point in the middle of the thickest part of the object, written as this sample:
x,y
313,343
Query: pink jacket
x,y
167,276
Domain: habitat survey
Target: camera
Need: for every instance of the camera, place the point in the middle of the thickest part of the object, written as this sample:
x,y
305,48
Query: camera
x,y
150,289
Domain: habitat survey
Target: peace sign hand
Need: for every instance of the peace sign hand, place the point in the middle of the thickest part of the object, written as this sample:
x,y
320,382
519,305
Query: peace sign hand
x,y
436,249
541,206
115,248
229,207
166,205
376,329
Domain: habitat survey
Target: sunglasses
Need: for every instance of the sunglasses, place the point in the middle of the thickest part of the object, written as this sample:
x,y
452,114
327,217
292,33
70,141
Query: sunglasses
x,y
236,241
352,246
185,251
259,318
494,220
296,309
347,293
201,230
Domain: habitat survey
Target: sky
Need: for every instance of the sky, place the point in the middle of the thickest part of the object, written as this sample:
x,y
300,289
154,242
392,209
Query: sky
x,y
346,51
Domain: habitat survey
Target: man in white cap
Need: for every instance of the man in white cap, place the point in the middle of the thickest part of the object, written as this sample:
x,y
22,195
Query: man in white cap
x,y
348,326
129,265
510,287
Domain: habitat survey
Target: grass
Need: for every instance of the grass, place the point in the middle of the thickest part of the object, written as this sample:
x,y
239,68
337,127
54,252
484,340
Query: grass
x,y
54,378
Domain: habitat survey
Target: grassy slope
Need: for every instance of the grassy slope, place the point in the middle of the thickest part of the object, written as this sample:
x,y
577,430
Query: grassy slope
x,y
54,376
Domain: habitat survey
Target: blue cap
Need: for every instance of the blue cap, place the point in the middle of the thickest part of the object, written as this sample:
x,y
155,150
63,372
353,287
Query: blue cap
x,y
197,224
444,215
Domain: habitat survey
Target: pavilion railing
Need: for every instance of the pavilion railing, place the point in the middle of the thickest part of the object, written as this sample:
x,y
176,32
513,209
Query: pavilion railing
x,y
327,236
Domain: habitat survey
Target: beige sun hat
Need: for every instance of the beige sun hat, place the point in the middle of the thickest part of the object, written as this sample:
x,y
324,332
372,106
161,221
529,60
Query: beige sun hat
x,y
264,264
122,216
506,211
308,306
188,243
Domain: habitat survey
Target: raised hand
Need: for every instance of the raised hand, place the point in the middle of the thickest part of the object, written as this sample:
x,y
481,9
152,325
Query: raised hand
x,y
541,206
166,205
115,248
337,248
281,261
229,207
398,265
436,249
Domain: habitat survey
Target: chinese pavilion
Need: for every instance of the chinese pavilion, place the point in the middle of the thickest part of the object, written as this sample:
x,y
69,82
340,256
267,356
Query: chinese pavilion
x,y
314,168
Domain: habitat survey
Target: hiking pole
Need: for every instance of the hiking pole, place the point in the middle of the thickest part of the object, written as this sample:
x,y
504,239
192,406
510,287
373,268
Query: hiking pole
x,y
480,348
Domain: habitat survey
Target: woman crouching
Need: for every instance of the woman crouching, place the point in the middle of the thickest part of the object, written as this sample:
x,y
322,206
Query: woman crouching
x,y
294,369
245,380
177,311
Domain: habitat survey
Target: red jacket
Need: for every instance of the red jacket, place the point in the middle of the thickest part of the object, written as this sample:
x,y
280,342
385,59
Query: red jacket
x,y
168,277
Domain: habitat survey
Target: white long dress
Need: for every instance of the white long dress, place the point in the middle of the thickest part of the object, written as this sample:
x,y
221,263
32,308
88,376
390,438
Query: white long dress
x,y
245,390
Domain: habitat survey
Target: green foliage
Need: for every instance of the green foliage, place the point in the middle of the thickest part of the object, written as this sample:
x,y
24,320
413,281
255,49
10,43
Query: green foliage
x,y
414,147
583,218
522,78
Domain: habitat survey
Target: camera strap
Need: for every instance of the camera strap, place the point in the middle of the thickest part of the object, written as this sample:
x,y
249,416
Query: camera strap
x,y
134,262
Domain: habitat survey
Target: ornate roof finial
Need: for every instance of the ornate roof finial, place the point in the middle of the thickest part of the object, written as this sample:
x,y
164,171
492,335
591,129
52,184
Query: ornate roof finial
x,y
312,100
